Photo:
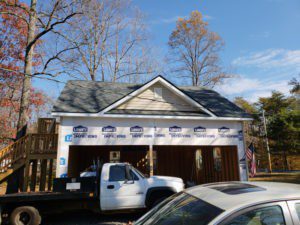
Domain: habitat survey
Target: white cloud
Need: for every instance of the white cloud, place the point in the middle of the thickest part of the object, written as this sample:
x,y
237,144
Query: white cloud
x,y
171,19
175,18
271,58
252,89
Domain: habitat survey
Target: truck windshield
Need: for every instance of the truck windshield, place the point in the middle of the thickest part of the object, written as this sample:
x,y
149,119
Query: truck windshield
x,y
183,209
138,172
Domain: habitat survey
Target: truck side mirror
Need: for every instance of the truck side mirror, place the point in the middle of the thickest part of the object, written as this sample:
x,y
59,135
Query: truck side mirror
x,y
128,175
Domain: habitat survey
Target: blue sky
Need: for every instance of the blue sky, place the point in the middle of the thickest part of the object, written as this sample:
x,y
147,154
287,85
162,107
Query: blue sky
x,y
262,40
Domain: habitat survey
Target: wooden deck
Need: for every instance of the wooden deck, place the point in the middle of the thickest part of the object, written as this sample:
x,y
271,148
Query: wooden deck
x,y
33,157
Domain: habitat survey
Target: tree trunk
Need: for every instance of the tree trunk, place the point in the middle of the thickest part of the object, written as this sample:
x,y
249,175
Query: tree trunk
x,y
25,93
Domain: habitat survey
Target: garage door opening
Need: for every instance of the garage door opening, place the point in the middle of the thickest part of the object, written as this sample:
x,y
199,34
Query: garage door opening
x,y
82,157
198,164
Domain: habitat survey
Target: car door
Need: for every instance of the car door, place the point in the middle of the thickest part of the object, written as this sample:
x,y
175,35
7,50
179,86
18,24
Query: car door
x,y
120,192
294,207
264,214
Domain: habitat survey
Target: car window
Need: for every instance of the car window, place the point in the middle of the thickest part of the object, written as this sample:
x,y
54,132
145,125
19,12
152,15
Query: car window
x,y
181,210
297,207
271,215
117,173
135,177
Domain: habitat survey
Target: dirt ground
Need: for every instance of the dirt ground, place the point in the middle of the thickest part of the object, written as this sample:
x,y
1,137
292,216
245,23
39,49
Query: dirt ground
x,y
84,218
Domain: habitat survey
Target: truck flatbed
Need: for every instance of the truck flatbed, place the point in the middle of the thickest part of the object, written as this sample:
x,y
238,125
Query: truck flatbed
x,y
43,196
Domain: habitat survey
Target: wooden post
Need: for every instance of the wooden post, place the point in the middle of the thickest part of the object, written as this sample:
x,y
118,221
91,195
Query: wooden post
x,y
50,175
26,175
267,142
43,174
26,154
33,175
151,160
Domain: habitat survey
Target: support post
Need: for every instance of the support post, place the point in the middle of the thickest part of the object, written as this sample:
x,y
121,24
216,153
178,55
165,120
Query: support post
x,y
245,149
33,175
267,141
26,175
151,160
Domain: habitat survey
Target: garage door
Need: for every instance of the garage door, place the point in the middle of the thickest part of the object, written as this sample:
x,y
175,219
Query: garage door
x,y
198,164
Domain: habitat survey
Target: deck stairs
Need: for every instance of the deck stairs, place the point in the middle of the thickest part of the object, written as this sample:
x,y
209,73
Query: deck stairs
x,y
31,157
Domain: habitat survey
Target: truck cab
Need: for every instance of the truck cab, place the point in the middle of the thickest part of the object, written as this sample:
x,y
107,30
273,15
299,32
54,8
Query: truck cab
x,y
111,187
123,187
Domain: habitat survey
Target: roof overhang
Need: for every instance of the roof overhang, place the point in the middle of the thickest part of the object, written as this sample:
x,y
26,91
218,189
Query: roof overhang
x,y
97,115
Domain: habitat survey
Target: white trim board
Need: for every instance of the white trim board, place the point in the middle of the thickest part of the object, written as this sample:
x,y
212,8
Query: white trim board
x,y
57,114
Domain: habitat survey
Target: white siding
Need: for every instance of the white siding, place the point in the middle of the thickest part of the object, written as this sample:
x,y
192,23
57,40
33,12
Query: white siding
x,y
147,101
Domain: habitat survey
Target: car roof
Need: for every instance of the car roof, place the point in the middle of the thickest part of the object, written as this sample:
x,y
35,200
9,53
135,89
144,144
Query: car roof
x,y
230,195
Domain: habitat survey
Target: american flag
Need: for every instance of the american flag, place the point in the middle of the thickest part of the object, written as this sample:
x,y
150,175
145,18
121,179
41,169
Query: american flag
x,y
250,153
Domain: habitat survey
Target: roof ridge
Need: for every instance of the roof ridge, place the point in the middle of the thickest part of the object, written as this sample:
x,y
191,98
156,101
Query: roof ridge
x,y
104,82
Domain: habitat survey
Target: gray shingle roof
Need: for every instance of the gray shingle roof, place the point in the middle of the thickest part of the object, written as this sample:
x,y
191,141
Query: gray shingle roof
x,y
92,97
157,112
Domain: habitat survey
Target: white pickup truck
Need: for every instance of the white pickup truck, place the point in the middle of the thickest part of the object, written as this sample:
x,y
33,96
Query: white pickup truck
x,y
115,187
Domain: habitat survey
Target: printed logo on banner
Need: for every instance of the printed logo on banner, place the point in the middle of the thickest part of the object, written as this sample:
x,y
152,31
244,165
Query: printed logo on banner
x,y
200,129
136,129
175,132
68,138
223,130
200,132
62,161
109,129
240,135
175,129
82,132
223,133
138,132
110,132
80,129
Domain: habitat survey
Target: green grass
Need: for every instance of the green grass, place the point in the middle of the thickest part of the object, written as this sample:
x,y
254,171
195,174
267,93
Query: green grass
x,y
278,177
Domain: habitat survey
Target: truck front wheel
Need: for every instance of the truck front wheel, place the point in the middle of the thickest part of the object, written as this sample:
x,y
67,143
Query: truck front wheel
x,y
25,215
157,197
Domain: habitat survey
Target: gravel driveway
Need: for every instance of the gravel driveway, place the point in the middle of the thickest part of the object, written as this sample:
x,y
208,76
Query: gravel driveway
x,y
83,218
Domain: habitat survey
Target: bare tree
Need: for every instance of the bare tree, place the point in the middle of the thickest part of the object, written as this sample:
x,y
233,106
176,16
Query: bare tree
x,y
110,41
196,51
39,24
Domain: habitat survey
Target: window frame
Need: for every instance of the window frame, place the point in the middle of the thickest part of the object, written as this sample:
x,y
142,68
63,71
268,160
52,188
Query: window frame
x,y
238,212
109,178
292,208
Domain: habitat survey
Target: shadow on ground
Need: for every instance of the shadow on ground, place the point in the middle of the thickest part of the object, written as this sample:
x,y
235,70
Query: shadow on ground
x,y
85,218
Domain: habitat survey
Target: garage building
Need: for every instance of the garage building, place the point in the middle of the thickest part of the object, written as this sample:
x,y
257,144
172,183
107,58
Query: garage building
x,y
189,132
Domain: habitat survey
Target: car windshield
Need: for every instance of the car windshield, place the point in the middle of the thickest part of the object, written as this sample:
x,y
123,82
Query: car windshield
x,y
181,209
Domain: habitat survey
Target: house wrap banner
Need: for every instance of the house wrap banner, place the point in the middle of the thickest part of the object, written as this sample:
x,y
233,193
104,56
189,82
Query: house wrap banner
x,y
150,132
95,131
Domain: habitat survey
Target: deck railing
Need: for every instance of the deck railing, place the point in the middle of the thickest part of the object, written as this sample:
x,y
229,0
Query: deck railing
x,y
27,145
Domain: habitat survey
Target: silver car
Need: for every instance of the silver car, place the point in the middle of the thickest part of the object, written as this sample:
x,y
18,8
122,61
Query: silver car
x,y
231,203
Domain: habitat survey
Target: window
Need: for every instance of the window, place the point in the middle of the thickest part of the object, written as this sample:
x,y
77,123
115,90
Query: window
x,y
271,215
158,93
199,159
182,209
117,173
217,159
135,177
297,207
